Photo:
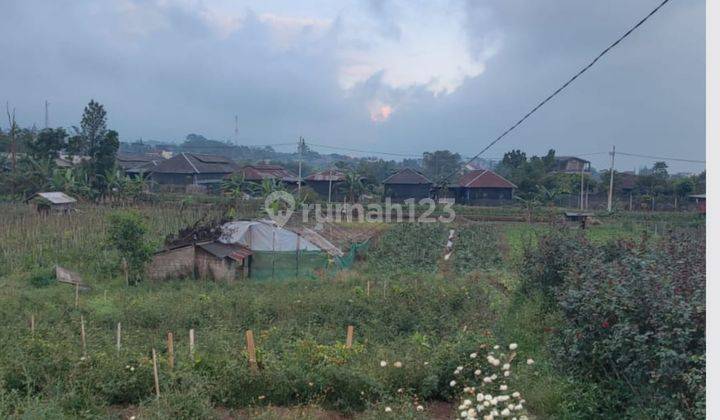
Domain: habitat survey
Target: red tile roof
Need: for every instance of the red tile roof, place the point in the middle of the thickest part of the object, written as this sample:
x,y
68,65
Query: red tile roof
x,y
484,178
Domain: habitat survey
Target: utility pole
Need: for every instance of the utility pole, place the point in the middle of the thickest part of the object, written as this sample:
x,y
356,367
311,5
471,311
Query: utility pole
x,y
237,130
301,146
47,120
13,129
330,186
612,178
582,185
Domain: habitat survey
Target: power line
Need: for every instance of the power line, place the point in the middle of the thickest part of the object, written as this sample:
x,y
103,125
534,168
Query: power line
x,y
661,158
366,151
566,84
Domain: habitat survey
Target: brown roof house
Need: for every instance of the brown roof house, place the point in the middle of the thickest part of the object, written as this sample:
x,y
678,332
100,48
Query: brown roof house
x,y
192,169
483,186
407,184
135,164
571,164
260,172
326,183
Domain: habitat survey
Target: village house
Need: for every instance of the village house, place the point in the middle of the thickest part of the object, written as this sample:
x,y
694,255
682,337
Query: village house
x,y
258,173
191,169
132,164
571,164
483,186
407,184
52,202
326,183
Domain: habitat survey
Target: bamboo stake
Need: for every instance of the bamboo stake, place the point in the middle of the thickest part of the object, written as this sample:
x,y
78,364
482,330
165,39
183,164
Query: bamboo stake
x,y
251,350
32,323
368,288
171,350
82,334
77,294
155,374
192,342
349,338
118,335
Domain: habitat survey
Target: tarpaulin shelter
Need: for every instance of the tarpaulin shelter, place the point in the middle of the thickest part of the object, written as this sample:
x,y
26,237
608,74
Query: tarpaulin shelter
x,y
277,252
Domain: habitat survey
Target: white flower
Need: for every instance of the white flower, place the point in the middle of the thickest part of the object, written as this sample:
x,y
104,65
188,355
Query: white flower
x,y
487,379
530,361
518,407
479,407
127,366
496,347
132,369
478,372
459,368
505,412
511,406
82,358
420,408
507,373
467,403
132,417
516,394
494,401
400,390
488,397
453,382
488,417
512,346
486,403
425,363
523,418
388,409
502,398
506,366
503,387
397,364
493,377
473,355
383,363
472,412
463,414
480,397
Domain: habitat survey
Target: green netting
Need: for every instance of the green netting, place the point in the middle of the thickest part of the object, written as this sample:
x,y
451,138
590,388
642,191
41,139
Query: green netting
x,y
285,264
347,260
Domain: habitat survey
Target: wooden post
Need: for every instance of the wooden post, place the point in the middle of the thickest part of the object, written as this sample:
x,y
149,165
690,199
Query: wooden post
x,y
349,338
32,323
118,335
368,288
171,350
192,341
77,294
251,350
82,333
155,374
125,271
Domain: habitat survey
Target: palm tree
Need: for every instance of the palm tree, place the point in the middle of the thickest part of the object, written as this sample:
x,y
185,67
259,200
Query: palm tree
x,y
354,186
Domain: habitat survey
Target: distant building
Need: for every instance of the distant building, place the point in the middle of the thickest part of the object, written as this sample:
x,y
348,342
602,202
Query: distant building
x,y
135,164
571,164
194,169
326,183
628,181
52,202
258,173
482,186
407,184
700,202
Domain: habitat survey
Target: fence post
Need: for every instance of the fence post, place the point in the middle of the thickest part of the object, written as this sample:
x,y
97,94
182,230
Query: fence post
x,y
192,342
77,294
32,323
171,350
251,350
118,334
82,334
155,374
349,338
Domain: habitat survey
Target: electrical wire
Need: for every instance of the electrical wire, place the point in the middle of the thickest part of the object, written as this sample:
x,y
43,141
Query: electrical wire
x,y
661,158
566,84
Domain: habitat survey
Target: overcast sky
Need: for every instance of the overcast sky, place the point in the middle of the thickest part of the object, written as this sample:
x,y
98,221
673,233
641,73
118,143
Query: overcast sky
x,y
369,74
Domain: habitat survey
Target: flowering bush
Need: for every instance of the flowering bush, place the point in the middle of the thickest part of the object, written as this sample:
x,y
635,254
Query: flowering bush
x,y
634,315
485,384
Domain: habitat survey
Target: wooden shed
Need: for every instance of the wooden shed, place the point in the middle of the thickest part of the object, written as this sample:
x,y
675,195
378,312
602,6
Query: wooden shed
x,y
483,186
326,183
52,202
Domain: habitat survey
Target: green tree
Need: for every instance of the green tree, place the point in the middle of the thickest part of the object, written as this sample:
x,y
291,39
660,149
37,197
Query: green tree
x,y
440,164
126,233
48,143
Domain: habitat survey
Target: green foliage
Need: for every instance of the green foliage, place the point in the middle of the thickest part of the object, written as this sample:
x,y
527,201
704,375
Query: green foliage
x,y
634,318
127,234
477,248
411,247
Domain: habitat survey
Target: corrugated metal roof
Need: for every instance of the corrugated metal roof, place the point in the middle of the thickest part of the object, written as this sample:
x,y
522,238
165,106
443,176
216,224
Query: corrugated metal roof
x,y
407,176
221,250
128,160
193,163
55,197
484,178
333,175
260,172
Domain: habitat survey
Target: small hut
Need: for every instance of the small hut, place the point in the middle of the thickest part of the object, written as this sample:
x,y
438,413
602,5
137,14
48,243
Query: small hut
x,y
52,202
